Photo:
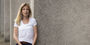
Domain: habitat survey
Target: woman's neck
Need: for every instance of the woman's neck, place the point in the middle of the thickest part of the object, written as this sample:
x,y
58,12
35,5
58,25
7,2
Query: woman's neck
x,y
25,18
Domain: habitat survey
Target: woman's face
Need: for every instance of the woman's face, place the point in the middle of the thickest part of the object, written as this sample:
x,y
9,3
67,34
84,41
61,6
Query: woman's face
x,y
25,11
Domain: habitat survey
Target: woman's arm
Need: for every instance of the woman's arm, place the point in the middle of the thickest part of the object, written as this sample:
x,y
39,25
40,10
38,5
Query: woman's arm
x,y
15,35
35,35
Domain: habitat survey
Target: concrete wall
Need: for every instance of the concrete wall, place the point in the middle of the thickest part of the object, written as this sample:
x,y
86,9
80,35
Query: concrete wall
x,y
7,20
2,17
4,22
63,22
60,22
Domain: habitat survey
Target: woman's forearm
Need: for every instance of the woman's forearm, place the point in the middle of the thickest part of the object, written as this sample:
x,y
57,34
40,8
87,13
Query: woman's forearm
x,y
16,39
15,35
35,38
35,35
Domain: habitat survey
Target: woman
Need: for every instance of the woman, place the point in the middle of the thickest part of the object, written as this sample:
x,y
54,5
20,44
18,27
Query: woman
x,y
25,29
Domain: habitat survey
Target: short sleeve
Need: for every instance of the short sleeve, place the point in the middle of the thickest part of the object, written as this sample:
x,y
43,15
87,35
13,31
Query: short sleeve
x,y
15,25
34,22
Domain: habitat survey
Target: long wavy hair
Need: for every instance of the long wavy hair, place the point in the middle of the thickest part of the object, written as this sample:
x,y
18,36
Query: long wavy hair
x,y
20,15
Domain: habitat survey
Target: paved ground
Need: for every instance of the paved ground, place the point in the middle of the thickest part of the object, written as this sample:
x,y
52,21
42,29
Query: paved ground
x,y
2,41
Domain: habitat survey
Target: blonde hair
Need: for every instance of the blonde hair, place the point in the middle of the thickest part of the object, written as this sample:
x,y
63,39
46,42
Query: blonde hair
x,y
19,14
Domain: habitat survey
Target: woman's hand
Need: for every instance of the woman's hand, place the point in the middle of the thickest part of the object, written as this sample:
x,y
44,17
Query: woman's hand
x,y
32,44
20,44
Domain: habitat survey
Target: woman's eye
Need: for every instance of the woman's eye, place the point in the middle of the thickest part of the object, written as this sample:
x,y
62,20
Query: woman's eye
x,y
23,9
27,9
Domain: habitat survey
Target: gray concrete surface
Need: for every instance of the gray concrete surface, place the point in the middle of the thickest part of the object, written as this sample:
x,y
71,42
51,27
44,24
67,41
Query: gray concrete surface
x,y
7,21
63,22
4,22
2,18
2,42
60,22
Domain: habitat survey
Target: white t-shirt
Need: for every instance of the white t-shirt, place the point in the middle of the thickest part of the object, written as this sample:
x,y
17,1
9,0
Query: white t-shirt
x,y
25,31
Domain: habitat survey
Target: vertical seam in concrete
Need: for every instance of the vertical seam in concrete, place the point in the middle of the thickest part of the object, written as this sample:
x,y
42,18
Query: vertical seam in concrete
x,y
4,19
33,7
0,16
10,22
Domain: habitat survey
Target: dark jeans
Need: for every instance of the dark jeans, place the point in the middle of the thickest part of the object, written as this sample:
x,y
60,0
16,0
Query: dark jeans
x,y
25,44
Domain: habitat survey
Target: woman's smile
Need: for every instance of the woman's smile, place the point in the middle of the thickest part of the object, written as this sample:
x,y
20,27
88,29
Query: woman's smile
x,y
25,11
